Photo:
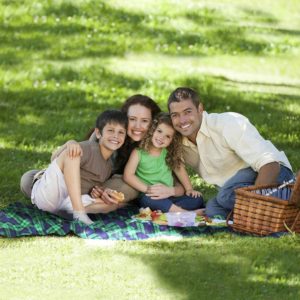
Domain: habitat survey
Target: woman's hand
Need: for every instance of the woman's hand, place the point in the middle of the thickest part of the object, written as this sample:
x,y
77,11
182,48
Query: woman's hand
x,y
193,193
160,191
73,149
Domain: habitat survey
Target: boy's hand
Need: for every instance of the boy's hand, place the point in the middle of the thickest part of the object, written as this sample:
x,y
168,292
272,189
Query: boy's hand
x,y
73,149
96,192
193,193
107,198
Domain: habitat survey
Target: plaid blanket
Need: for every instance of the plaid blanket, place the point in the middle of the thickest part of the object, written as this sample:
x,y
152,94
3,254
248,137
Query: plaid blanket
x,y
26,220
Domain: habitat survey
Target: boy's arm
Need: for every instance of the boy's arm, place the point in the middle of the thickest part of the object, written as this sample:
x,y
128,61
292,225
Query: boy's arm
x,y
71,170
129,173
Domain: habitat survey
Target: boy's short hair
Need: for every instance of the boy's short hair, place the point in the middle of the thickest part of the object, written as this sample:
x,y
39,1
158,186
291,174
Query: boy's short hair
x,y
184,93
111,116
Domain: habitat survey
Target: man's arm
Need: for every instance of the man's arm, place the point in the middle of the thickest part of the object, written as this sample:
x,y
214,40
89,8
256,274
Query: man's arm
x,y
268,174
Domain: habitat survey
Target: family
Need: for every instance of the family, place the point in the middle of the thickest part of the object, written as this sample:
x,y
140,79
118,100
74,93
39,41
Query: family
x,y
142,152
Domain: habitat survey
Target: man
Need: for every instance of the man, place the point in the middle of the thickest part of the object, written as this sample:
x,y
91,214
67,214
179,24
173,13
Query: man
x,y
225,150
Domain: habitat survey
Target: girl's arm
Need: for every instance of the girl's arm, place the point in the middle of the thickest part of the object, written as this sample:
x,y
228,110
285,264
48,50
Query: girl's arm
x,y
129,173
183,177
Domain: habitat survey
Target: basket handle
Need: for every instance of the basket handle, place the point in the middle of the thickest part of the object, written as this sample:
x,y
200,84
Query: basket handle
x,y
295,198
228,219
295,222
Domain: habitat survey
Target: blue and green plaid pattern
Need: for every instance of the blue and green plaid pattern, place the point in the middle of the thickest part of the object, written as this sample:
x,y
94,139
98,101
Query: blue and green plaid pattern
x,y
19,219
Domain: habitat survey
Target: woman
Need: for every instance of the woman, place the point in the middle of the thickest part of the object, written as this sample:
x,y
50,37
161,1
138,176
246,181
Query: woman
x,y
140,111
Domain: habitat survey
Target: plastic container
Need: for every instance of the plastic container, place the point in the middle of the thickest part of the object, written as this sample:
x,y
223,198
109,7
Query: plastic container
x,y
181,219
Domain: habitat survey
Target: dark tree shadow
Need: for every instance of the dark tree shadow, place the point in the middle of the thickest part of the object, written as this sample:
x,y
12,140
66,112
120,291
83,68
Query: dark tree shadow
x,y
193,270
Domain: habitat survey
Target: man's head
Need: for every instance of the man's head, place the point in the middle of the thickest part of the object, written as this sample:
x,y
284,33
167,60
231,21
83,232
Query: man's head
x,y
186,111
111,126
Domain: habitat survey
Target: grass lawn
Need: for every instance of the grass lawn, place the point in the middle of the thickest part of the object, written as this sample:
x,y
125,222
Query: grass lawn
x,y
62,62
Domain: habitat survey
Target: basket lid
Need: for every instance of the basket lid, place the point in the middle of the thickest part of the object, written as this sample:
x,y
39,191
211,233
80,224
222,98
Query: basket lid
x,y
295,198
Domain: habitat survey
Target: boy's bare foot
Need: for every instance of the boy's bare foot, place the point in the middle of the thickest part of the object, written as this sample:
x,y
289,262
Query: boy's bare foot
x,y
82,216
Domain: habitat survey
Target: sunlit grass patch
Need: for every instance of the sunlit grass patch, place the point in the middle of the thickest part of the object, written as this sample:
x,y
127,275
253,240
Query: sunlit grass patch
x,y
62,62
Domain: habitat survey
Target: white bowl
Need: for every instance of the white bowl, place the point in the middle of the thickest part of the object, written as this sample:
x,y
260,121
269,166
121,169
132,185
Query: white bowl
x,y
181,219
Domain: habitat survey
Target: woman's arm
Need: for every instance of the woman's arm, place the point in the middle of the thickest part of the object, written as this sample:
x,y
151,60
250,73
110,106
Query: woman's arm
x,y
73,150
129,173
160,191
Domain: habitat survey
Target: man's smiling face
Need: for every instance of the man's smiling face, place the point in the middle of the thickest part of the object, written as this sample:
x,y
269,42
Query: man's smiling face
x,y
186,118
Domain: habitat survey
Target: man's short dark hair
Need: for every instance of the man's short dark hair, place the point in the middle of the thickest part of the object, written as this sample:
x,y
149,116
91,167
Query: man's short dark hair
x,y
184,93
111,116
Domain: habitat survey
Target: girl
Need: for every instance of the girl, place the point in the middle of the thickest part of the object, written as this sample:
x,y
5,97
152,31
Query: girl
x,y
160,153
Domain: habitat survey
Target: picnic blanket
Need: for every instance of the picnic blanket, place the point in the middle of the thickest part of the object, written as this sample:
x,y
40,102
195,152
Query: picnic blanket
x,y
19,219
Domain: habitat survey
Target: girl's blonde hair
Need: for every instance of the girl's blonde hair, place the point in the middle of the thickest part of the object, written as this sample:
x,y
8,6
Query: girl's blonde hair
x,y
175,149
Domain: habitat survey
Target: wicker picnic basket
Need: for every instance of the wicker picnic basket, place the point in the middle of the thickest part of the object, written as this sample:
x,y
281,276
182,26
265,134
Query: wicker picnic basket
x,y
264,215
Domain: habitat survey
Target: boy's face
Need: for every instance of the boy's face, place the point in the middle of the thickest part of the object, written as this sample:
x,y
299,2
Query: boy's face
x,y
112,137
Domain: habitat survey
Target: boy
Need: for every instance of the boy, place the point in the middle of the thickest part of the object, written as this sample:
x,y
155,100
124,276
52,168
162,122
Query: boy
x,y
67,181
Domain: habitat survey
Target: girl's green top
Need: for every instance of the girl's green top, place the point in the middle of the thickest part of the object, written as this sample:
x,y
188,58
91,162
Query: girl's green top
x,y
154,169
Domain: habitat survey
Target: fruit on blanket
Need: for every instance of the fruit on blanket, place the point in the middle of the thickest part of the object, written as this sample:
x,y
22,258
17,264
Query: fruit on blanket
x,y
156,214
119,196
145,213
146,210
148,214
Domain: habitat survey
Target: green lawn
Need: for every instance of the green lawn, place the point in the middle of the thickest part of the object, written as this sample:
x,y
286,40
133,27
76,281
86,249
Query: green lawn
x,y
62,62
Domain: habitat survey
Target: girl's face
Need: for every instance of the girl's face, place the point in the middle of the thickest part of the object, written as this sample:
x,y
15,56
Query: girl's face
x,y
162,136
139,120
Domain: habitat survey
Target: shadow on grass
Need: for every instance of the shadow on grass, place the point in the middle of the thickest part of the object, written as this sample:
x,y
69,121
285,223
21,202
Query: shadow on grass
x,y
114,31
16,162
222,270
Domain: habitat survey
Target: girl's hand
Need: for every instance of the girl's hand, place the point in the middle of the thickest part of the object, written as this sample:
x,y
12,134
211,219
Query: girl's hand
x,y
160,191
73,149
193,193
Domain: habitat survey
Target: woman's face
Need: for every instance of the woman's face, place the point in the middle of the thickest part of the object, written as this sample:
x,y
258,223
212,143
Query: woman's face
x,y
139,120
